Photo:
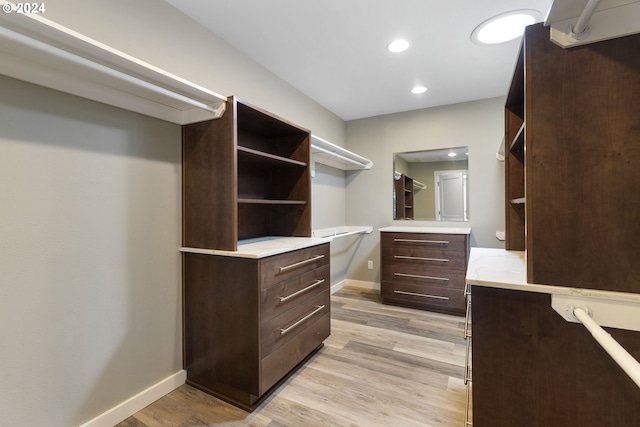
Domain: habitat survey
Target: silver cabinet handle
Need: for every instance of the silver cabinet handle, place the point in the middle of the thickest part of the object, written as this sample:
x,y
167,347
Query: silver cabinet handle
x,y
298,264
311,286
285,330
415,294
420,258
417,276
467,331
438,242
467,365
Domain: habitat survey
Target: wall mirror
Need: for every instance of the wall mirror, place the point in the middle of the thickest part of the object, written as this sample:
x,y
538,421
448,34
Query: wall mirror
x,y
431,185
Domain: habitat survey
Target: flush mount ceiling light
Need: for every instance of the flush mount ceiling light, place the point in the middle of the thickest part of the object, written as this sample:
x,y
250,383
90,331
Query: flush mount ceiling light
x,y
504,27
398,46
419,89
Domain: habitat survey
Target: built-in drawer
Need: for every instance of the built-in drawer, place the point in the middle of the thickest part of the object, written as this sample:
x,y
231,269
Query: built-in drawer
x,y
288,325
283,296
428,258
420,295
282,267
419,274
279,362
442,242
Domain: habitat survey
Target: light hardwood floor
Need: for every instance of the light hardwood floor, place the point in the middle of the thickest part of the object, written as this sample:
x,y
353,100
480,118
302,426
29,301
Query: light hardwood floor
x,y
381,366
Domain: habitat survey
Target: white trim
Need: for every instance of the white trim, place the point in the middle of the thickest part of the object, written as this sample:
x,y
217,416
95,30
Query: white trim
x,y
335,288
134,404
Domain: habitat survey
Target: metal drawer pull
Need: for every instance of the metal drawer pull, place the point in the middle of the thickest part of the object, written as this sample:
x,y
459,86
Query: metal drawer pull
x,y
313,285
420,258
419,295
467,331
439,242
298,264
285,330
467,366
417,276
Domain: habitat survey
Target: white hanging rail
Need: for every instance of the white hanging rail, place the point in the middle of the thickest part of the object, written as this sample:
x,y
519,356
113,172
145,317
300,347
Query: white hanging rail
x,y
40,51
630,365
326,153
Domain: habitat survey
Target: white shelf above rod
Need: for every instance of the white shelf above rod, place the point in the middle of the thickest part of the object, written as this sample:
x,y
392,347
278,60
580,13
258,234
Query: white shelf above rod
x,y
40,51
326,153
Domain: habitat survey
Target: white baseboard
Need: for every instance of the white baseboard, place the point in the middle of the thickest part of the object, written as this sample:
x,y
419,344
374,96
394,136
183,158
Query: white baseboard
x,y
336,287
132,405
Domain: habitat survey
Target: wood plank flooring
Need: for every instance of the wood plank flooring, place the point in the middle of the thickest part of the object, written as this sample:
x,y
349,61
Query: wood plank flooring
x,y
381,366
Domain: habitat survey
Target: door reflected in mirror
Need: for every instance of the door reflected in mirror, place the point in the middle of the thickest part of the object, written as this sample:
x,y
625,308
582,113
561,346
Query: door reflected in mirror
x,y
431,185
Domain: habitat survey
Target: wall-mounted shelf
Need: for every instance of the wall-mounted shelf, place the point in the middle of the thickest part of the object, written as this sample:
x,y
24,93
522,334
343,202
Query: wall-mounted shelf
x,y
343,231
326,153
40,51
417,185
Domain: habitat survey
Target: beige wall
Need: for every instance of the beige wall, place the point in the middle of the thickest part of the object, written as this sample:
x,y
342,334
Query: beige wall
x,y
477,124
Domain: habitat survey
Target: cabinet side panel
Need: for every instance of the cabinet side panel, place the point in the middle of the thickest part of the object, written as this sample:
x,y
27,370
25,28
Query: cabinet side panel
x,y
222,322
209,183
531,368
583,152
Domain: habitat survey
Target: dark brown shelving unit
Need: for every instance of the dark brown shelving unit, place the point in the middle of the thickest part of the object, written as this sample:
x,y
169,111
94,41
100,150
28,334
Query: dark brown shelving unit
x,y
403,188
245,175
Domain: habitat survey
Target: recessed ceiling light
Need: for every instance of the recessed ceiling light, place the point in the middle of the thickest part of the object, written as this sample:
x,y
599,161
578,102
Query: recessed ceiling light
x,y
419,89
452,154
504,27
398,46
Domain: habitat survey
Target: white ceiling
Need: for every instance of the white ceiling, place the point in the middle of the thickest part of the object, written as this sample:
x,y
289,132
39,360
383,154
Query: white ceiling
x,y
334,51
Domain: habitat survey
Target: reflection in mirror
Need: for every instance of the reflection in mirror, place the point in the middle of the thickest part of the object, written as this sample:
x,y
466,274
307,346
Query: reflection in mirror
x,y
431,185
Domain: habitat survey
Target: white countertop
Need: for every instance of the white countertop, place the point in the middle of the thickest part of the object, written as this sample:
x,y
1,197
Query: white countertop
x,y
263,246
436,230
499,268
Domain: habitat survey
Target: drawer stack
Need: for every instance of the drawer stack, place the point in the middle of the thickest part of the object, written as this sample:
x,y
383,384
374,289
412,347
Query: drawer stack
x,y
252,321
424,270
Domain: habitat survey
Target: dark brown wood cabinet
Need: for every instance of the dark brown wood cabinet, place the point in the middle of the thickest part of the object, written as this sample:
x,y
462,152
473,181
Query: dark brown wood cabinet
x,y
531,368
572,123
424,270
250,322
572,203
250,316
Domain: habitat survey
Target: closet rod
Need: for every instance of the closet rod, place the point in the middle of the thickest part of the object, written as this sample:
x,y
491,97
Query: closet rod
x,y
610,345
333,153
585,16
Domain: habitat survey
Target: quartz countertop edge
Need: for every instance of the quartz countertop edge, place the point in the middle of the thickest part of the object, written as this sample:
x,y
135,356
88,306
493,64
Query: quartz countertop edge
x,y
432,230
499,268
262,247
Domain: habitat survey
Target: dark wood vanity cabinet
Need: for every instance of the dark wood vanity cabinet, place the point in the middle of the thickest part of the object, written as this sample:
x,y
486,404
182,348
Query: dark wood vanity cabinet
x,y
424,270
250,322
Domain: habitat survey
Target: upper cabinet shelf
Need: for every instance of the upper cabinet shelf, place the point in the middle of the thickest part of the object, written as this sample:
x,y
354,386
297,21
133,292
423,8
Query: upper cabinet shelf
x,y
40,51
326,153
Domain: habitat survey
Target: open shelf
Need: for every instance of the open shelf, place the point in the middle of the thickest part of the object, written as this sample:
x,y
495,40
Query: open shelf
x,y
269,158
329,154
271,202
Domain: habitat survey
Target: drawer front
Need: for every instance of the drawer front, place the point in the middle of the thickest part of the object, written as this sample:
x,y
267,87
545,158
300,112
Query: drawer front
x,y
429,258
282,267
288,325
436,297
276,365
442,242
283,296
425,276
